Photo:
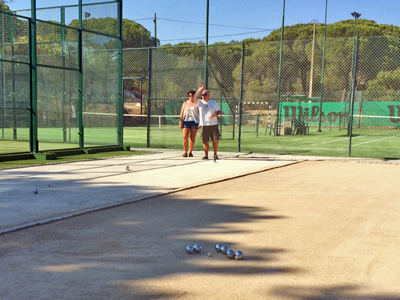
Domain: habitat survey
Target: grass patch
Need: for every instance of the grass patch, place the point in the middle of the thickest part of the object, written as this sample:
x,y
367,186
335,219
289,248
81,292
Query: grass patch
x,y
67,159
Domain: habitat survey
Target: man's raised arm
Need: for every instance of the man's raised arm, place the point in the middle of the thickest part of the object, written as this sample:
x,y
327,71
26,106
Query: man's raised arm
x,y
196,95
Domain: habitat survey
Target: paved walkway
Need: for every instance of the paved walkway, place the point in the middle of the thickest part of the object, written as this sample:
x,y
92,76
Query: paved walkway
x,y
66,190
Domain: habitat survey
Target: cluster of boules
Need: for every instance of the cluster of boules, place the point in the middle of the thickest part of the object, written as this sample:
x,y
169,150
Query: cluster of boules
x,y
193,249
238,255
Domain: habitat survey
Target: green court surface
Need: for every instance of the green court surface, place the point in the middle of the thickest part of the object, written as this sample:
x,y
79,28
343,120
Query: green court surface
x,y
366,143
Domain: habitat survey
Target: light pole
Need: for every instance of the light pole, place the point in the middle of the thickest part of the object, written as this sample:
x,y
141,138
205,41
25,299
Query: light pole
x,y
353,87
87,16
155,30
356,16
278,114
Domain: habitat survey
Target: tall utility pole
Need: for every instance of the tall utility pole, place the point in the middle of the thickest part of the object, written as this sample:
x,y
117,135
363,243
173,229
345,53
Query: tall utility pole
x,y
155,30
206,52
278,116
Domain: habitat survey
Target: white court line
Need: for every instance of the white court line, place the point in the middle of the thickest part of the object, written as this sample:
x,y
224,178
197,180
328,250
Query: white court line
x,y
373,141
333,141
378,117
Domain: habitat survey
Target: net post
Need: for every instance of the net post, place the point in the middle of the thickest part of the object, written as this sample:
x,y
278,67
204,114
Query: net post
x,y
257,123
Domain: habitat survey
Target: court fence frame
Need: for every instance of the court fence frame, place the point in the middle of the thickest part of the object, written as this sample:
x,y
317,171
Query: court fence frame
x,y
133,97
271,121
55,75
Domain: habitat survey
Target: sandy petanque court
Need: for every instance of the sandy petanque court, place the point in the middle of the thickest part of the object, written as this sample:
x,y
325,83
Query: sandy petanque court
x,y
309,229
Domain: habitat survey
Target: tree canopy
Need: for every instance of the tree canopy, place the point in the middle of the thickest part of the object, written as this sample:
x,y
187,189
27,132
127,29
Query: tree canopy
x,y
335,30
4,6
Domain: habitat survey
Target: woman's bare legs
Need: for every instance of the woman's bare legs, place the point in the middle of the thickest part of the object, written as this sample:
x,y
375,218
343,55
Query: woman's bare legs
x,y
185,137
193,133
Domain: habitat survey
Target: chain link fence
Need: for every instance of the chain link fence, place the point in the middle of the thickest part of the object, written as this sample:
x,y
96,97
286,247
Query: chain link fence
x,y
330,97
14,84
60,86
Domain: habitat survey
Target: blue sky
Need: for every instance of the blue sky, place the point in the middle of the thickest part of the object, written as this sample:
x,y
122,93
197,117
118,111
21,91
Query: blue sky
x,y
184,20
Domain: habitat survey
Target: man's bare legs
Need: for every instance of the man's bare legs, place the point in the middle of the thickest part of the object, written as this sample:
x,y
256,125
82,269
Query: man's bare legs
x,y
206,147
215,146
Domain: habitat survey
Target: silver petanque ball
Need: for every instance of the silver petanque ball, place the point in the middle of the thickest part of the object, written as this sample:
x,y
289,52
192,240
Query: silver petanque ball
x,y
224,249
35,191
197,248
230,253
189,249
239,255
218,248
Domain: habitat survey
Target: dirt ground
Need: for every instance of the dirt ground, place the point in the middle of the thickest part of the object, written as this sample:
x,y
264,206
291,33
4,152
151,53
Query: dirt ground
x,y
312,230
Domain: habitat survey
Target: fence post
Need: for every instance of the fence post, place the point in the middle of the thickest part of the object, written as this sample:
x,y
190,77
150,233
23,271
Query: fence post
x,y
62,12
34,144
3,77
352,97
120,110
322,71
149,95
241,100
80,89
13,80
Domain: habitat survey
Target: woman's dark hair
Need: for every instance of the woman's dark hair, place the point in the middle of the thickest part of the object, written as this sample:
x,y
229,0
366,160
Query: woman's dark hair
x,y
191,92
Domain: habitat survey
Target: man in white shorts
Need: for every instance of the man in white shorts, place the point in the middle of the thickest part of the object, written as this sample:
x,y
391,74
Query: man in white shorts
x,y
209,112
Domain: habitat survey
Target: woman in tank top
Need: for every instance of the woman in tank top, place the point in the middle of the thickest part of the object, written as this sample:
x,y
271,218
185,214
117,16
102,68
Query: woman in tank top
x,y
189,122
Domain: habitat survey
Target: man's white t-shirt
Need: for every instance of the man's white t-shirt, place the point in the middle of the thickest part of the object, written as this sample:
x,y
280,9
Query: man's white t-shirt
x,y
206,110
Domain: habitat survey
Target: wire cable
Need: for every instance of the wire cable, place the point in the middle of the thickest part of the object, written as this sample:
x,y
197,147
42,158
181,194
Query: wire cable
x,y
216,36
219,25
